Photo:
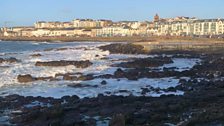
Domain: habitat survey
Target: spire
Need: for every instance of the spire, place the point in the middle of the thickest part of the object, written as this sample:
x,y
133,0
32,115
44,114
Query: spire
x,y
156,18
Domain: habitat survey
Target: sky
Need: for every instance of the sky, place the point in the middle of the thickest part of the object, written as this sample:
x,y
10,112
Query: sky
x,y
26,12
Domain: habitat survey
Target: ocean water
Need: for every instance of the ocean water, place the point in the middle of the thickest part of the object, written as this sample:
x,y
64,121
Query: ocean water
x,y
102,61
18,46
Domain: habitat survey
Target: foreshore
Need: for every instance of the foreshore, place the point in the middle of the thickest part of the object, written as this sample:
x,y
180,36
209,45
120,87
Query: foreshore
x,y
140,91
114,39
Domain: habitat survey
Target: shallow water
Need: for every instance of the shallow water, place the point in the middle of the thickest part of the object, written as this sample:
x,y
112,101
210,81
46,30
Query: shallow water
x,y
75,51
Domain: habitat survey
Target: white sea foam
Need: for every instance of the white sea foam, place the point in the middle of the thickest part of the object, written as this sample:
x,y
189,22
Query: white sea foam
x,y
102,61
35,43
115,87
182,64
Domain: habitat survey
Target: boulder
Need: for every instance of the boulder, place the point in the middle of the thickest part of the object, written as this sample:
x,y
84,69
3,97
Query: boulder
x,y
25,78
104,82
119,73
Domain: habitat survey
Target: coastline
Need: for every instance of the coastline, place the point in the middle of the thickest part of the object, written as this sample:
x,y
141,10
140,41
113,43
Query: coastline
x,y
176,79
202,81
153,39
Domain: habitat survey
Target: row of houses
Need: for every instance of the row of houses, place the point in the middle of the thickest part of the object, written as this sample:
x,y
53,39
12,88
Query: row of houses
x,y
181,26
33,32
77,23
73,32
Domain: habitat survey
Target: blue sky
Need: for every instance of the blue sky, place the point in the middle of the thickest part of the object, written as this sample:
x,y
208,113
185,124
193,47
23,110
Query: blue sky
x,y
26,12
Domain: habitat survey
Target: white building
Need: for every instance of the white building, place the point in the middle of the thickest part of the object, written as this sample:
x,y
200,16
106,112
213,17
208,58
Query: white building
x,y
89,23
52,25
41,32
192,27
113,31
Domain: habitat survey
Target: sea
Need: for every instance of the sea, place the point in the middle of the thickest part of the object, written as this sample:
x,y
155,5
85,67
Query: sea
x,y
76,51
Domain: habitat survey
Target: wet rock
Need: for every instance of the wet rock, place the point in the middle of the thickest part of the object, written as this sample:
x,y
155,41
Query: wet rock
x,y
117,120
36,55
25,78
28,78
169,69
132,75
124,49
182,81
144,91
119,73
106,76
78,85
69,77
146,62
104,82
78,64
75,76
62,49
124,91
171,89
9,60
54,112
135,74
85,77
50,49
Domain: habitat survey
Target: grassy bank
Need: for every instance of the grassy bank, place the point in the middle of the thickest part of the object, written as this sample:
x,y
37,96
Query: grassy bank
x,y
113,39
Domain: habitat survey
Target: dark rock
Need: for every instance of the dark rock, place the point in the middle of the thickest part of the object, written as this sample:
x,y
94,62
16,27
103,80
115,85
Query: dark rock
x,y
28,78
77,85
124,49
119,73
132,75
78,64
145,90
36,55
171,89
44,78
50,49
146,62
69,77
123,91
9,60
117,120
106,76
104,82
25,78
61,49
86,77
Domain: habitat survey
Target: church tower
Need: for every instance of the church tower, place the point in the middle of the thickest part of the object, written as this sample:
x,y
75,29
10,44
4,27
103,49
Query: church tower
x,y
156,18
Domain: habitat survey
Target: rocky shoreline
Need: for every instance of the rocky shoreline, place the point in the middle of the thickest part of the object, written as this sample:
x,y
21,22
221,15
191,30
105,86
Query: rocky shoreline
x,y
201,104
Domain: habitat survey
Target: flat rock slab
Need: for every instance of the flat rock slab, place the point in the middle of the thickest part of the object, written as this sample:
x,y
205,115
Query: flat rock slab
x,y
78,64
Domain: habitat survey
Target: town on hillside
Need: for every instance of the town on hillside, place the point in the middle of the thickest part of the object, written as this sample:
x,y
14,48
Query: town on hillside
x,y
179,26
